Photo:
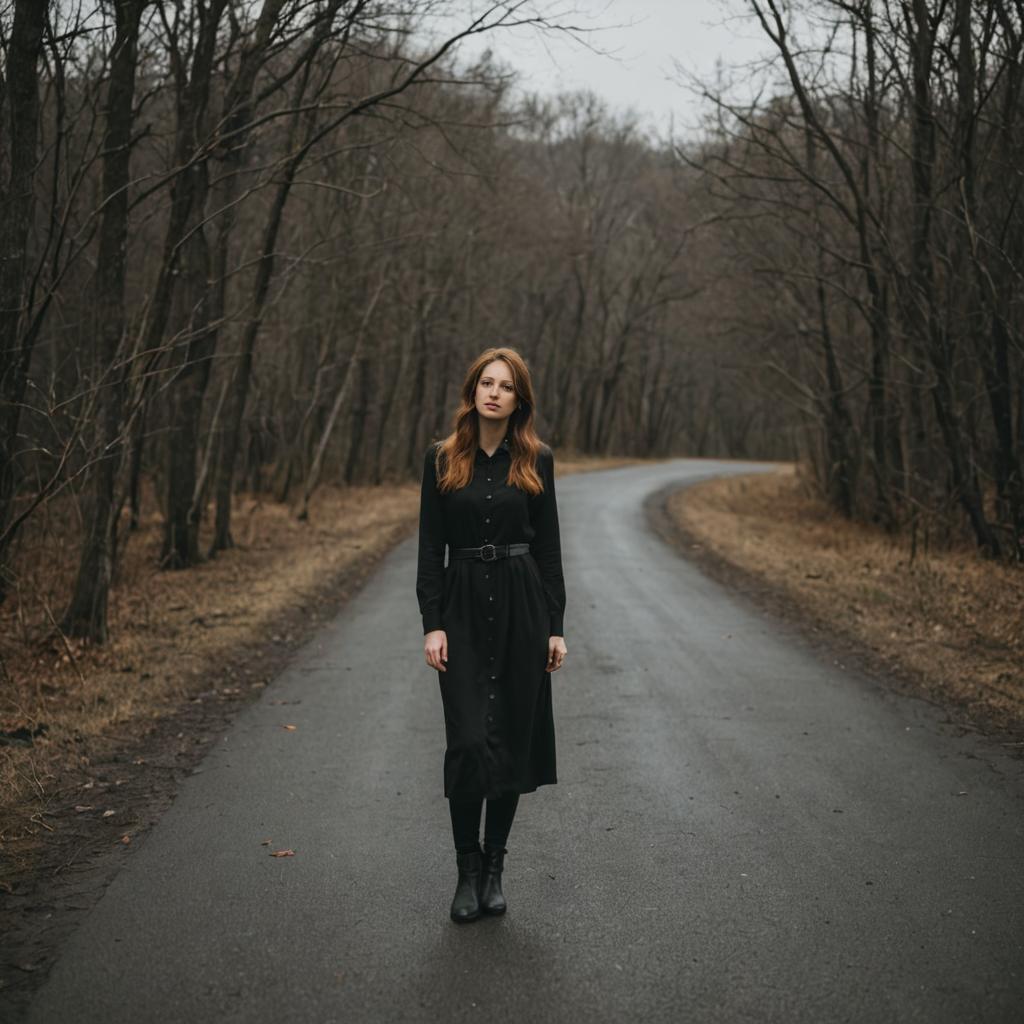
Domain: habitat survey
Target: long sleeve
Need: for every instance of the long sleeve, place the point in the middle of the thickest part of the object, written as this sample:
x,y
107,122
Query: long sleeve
x,y
546,545
430,561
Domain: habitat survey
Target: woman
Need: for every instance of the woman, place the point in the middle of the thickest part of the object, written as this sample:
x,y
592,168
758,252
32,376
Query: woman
x,y
492,619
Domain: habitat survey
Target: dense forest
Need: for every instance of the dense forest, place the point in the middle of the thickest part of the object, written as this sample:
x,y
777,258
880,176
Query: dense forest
x,y
254,245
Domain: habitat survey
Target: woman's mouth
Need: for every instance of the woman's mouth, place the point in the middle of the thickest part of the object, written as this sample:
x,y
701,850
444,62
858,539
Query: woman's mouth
x,y
491,405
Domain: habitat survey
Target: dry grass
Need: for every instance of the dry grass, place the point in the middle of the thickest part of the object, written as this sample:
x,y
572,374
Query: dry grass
x,y
173,634
954,622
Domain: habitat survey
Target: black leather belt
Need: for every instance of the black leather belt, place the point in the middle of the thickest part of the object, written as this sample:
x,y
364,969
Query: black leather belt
x,y
491,552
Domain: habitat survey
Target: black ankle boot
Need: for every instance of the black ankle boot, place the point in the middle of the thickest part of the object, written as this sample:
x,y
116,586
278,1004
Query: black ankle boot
x,y
466,902
492,900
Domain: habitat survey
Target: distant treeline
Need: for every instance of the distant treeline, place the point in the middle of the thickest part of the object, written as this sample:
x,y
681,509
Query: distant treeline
x,y
255,244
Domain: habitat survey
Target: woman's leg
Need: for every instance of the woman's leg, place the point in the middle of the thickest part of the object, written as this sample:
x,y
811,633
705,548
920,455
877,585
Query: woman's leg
x,y
466,824
500,813
466,832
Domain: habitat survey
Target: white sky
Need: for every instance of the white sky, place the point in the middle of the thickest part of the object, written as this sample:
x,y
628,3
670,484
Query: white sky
x,y
643,37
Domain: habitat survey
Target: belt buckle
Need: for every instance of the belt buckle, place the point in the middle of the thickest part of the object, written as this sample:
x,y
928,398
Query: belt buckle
x,y
494,553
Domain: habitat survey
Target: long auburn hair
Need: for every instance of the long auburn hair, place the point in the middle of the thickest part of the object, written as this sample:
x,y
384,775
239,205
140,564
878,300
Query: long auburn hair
x,y
456,453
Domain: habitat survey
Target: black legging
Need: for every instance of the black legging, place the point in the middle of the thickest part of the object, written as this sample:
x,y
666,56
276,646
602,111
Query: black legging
x,y
466,822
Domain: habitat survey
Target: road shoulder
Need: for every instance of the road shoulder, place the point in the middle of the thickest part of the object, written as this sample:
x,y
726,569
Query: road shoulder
x,y
753,534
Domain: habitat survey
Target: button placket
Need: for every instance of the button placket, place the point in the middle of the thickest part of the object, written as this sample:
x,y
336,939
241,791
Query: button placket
x,y
488,496
490,691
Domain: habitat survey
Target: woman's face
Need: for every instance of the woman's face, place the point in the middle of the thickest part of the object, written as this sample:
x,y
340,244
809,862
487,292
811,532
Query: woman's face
x,y
495,393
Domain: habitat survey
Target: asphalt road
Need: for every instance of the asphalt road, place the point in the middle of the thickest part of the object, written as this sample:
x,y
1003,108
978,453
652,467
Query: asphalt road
x,y
743,830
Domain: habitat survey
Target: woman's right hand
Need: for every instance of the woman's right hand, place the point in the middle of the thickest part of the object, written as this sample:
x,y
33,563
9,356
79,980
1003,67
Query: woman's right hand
x,y
435,649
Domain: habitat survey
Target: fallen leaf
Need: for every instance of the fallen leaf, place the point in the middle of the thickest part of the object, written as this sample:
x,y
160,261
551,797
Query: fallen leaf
x,y
290,728
282,853
84,807
107,814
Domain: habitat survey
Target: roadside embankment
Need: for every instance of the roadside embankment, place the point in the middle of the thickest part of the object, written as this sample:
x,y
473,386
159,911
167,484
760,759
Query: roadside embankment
x,y
945,624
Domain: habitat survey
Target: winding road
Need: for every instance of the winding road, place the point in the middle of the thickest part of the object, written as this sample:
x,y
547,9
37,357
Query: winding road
x,y
743,830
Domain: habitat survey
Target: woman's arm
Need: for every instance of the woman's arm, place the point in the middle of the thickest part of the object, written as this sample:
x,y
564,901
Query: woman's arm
x,y
546,545
430,561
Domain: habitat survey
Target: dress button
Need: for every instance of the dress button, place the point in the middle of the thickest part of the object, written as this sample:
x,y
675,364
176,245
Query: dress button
x,y
490,718
490,597
487,520
488,497
491,658
487,575
493,677
491,695
490,618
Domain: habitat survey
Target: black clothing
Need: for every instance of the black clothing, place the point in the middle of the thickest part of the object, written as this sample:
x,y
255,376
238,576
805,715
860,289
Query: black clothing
x,y
465,816
466,823
498,821
498,616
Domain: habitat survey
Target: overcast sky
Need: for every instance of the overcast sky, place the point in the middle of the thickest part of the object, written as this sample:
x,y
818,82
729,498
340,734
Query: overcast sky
x,y
644,37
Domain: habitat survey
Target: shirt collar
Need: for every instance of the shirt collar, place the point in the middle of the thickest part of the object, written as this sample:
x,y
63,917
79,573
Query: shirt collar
x,y
482,456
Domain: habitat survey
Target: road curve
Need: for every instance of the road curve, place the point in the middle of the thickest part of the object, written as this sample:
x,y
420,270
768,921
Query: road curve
x,y
743,830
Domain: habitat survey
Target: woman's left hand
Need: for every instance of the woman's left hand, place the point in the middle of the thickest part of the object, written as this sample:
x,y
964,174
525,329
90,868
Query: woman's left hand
x,y
556,652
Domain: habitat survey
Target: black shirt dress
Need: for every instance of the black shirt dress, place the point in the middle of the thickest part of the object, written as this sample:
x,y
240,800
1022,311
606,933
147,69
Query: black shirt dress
x,y
498,616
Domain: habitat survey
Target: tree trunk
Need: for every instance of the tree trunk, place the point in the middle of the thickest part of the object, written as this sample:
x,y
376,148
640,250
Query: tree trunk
x,y
17,200
181,526
243,369
86,614
929,334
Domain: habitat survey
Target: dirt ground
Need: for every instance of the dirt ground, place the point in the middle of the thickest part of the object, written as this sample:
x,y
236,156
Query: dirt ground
x,y
945,625
95,739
